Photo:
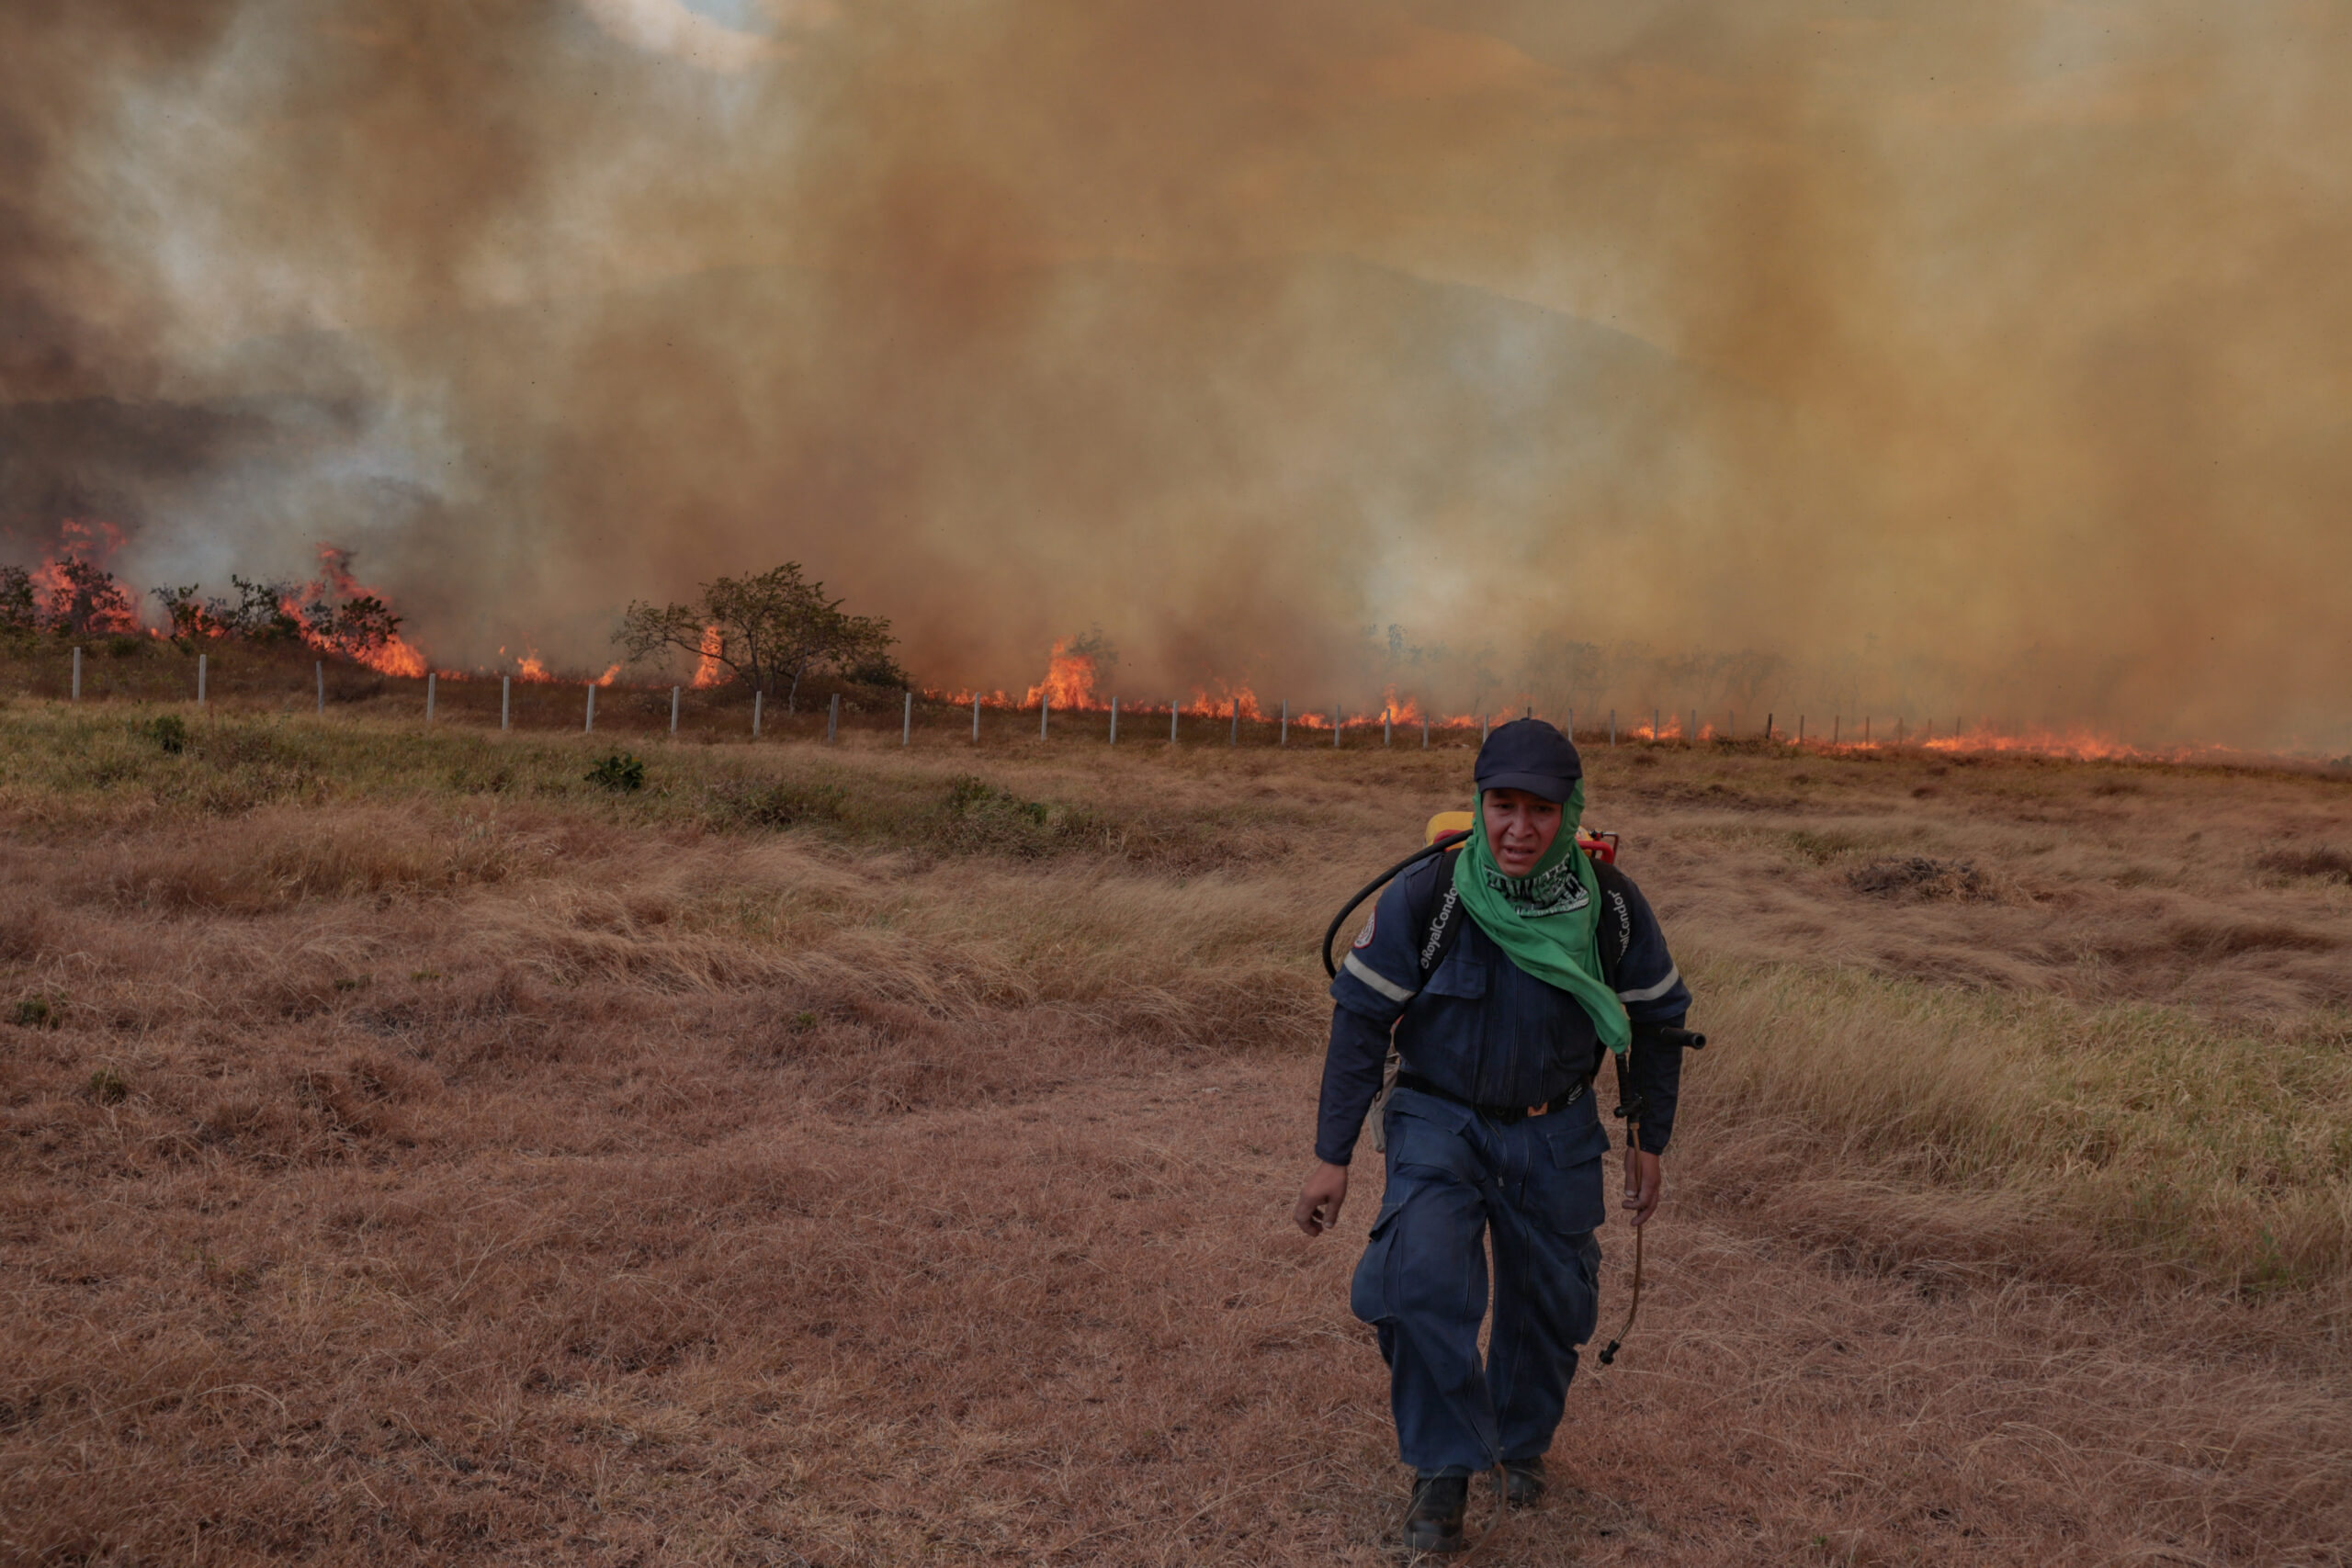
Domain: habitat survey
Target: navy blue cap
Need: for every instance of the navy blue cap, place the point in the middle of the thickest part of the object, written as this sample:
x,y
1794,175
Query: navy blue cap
x,y
1529,754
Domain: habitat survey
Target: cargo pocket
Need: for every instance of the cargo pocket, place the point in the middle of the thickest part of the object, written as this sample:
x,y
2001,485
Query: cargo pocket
x,y
1567,1185
1368,1293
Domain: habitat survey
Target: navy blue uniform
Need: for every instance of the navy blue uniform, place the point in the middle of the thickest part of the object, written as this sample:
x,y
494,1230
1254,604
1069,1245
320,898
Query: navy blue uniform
x,y
1466,1161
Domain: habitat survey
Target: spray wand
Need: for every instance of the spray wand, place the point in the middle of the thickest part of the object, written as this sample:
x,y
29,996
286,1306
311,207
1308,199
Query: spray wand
x,y
1630,1109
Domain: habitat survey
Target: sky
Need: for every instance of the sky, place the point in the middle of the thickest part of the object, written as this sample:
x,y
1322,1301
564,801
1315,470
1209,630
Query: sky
x,y
1980,360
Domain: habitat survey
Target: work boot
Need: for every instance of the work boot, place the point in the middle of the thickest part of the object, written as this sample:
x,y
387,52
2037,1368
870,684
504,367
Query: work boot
x,y
1522,1482
1434,1521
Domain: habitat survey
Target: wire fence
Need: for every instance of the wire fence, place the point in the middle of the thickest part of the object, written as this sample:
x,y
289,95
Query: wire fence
x,y
277,682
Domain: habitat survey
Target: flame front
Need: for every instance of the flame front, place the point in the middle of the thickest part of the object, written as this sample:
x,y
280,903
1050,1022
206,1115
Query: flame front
x,y
393,655
1070,679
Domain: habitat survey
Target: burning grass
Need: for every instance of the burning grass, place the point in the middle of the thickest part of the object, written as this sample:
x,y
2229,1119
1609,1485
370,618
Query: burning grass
x,y
419,1151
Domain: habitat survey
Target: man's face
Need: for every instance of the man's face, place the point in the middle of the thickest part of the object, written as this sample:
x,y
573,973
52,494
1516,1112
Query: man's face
x,y
1520,828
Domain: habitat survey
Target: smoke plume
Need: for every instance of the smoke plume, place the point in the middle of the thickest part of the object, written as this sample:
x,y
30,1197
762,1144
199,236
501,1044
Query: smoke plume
x,y
1974,361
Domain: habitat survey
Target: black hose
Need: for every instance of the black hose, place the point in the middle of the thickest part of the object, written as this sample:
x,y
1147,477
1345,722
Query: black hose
x,y
1443,842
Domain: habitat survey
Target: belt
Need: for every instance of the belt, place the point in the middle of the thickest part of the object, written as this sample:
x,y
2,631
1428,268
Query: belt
x,y
1506,1114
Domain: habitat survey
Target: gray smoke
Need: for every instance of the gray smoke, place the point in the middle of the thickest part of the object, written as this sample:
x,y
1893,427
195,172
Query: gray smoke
x,y
1980,361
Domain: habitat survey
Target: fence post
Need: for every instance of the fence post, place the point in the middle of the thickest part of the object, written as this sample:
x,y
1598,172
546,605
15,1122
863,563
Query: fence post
x,y
1044,711
1767,724
1387,727
1836,724
758,700
673,712
1235,738
1482,729
1174,710
432,683
1799,730
907,721
833,718
1425,732
976,719
1658,725
1335,728
505,699
320,669
199,686
1114,721
590,726
1285,740
77,674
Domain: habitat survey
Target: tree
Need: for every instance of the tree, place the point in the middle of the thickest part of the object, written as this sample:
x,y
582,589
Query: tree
x,y
85,600
186,615
19,611
772,627
358,627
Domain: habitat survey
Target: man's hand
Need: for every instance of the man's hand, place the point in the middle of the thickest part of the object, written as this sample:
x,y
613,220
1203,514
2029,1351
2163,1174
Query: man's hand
x,y
1644,1180
1319,1199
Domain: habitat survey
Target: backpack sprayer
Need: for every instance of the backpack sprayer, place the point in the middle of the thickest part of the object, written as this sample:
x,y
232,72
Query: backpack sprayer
x,y
1449,830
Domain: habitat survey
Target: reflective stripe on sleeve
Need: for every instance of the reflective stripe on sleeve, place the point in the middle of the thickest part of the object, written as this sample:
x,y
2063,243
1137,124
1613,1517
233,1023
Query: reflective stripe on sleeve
x,y
1652,993
1373,979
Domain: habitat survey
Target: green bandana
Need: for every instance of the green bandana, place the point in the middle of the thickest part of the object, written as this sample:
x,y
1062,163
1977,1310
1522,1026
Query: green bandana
x,y
1546,921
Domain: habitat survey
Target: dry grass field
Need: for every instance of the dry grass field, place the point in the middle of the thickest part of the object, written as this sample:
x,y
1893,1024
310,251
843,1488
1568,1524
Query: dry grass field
x,y
415,1152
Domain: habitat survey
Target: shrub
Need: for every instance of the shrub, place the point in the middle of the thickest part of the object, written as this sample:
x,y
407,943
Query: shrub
x,y
984,817
620,772
37,1013
774,802
107,1088
168,731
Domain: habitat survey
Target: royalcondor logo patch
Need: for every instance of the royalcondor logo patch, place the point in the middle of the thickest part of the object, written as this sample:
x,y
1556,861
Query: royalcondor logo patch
x,y
1363,937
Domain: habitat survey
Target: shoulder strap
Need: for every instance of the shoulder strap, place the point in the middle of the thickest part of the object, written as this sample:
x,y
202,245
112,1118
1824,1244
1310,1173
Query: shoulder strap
x,y
1614,932
1444,927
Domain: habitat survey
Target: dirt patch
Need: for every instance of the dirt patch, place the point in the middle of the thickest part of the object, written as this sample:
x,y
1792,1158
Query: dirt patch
x,y
1921,877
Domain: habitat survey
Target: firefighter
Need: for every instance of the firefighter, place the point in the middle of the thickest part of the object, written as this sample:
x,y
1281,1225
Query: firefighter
x,y
1492,1134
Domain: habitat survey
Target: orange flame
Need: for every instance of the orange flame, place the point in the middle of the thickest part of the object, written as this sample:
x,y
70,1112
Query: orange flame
x,y
1070,679
708,671
1222,703
395,655
91,541
2082,745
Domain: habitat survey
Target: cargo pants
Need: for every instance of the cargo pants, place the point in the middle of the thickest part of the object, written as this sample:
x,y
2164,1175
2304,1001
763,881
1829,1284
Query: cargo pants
x,y
1457,1181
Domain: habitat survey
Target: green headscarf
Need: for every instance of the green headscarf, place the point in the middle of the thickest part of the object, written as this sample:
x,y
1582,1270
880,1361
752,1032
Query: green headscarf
x,y
1548,921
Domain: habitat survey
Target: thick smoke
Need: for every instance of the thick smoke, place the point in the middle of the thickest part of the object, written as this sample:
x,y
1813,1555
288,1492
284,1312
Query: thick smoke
x,y
1975,362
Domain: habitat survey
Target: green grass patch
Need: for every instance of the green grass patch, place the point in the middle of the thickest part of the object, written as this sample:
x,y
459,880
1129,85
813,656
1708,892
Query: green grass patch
x,y
2229,1152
